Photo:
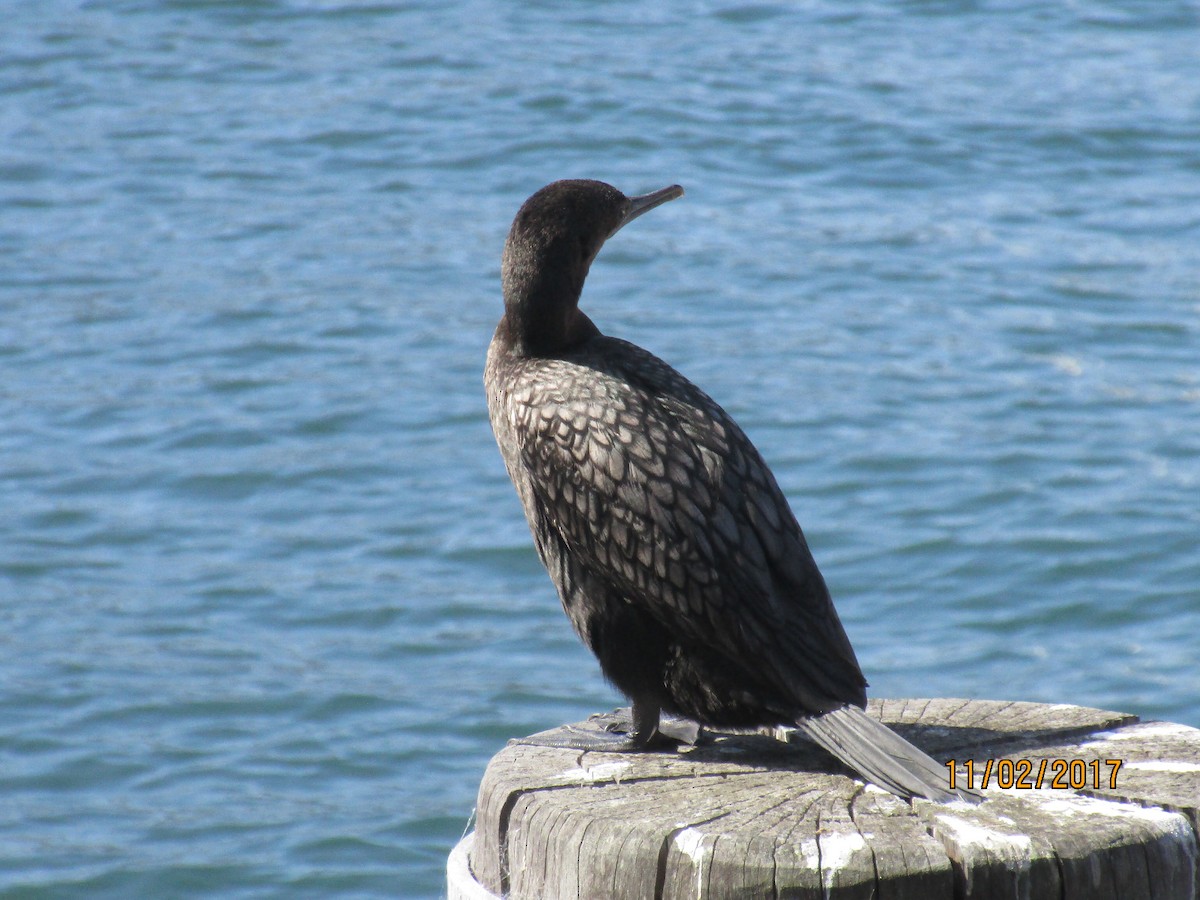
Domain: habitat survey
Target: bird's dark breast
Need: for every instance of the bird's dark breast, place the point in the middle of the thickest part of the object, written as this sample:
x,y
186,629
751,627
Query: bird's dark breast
x,y
675,554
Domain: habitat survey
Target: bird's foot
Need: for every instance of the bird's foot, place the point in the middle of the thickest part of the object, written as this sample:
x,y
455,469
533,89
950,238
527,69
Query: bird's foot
x,y
665,734
616,733
595,737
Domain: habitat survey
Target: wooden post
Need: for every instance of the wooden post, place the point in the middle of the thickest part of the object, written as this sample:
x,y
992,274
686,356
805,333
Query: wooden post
x,y
749,816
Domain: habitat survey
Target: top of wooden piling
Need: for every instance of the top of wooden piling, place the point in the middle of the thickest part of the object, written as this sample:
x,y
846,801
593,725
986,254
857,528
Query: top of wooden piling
x,y
749,816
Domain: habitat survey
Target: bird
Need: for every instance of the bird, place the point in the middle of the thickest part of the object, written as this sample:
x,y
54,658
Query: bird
x,y
675,553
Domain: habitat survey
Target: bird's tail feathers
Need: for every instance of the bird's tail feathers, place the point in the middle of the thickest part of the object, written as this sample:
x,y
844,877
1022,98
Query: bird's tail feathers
x,y
881,756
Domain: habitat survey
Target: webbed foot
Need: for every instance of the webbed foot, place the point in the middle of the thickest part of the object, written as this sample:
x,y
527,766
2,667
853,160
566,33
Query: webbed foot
x,y
666,733
619,732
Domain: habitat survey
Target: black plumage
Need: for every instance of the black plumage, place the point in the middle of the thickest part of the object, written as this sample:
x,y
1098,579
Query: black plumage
x,y
675,553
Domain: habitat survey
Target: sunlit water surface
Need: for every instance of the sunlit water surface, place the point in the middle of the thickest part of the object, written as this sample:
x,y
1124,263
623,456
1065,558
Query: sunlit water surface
x,y
267,601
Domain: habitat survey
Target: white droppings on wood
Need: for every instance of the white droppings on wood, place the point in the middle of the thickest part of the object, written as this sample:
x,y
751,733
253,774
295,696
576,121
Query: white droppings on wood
x,y
1144,731
831,852
967,833
1174,829
955,803
592,774
1079,805
1152,765
690,843
811,853
838,849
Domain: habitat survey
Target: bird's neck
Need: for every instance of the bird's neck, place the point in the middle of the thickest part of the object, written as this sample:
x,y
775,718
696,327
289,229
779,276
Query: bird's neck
x,y
542,313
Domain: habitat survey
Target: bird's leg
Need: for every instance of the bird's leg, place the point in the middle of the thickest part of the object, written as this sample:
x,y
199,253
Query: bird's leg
x,y
640,730
643,725
649,730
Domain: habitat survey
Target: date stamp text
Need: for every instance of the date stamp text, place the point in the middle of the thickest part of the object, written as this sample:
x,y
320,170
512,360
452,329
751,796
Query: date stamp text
x,y
1028,774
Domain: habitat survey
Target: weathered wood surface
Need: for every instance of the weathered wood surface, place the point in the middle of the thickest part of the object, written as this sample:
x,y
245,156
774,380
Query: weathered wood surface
x,y
749,816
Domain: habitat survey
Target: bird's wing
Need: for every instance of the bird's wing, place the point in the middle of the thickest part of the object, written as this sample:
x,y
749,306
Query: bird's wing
x,y
655,488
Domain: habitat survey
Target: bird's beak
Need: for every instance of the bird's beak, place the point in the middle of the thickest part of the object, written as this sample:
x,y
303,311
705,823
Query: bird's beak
x,y
647,202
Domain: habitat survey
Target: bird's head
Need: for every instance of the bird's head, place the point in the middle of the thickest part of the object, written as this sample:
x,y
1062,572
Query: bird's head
x,y
553,240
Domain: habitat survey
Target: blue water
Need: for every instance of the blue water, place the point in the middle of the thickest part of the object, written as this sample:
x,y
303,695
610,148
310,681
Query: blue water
x,y
267,601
